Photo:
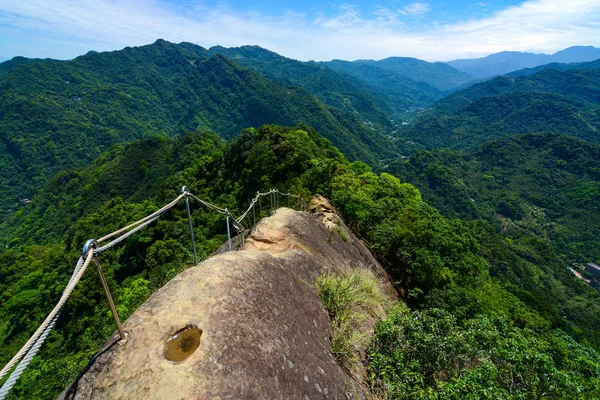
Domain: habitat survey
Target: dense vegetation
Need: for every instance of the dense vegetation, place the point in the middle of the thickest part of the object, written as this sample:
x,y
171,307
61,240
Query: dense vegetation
x,y
438,75
404,94
455,277
337,90
557,101
60,114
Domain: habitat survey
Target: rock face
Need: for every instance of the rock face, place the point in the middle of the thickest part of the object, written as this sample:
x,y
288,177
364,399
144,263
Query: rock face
x,y
265,333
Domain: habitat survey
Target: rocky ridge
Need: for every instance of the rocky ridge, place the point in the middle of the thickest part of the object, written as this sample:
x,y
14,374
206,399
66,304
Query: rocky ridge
x,y
264,330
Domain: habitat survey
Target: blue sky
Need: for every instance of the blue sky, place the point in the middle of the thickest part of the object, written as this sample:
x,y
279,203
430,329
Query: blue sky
x,y
307,30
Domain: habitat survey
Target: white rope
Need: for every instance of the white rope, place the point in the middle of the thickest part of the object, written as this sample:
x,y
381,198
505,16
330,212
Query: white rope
x,y
165,208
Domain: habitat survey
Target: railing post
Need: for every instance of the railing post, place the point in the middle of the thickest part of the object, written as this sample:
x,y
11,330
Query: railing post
x,y
228,231
87,247
184,189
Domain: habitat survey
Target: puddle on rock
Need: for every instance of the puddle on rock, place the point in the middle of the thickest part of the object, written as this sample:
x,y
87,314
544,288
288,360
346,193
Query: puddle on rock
x,y
182,344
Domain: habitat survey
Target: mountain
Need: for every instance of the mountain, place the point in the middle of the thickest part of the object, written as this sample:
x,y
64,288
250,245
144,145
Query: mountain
x,y
544,184
334,89
509,61
440,76
7,65
550,100
558,66
60,114
406,95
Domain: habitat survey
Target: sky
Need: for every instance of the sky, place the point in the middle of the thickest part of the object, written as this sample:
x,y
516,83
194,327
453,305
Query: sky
x,y
432,30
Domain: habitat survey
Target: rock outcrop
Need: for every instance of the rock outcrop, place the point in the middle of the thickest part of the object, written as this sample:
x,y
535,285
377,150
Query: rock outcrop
x,y
264,331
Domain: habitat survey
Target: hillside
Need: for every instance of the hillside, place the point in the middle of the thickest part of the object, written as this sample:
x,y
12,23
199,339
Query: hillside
x,y
336,90
557,66
509,61
472,296
556,101
440,76
406,95
60,114
543,184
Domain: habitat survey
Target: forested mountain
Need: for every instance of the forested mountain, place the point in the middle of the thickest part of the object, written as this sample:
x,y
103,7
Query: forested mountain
x,y
475,298
539,184
557,66
438,75
509,61
550,100
59,114
337,90
476,235
405,94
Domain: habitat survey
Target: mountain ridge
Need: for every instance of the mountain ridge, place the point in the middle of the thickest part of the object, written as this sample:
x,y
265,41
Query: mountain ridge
x,y
509,61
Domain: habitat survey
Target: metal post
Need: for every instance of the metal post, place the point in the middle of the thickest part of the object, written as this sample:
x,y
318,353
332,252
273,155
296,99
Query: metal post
x,y
87,247
184,189
228,231
254,213
113,309
243,243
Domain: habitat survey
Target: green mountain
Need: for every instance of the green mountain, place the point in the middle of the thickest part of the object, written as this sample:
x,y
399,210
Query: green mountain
x,y
59,114
475,297
406,95
550,100
557,66
538,184
509,61
334,89
440,76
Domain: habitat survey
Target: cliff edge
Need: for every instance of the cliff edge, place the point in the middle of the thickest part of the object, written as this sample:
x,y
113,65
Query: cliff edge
x,y
250,322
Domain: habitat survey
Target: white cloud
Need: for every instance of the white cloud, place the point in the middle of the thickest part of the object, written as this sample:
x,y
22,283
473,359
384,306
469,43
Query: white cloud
x,y
534,25
416,8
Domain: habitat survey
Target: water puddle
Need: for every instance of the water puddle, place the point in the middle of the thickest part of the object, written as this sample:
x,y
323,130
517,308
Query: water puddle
x,y
182,344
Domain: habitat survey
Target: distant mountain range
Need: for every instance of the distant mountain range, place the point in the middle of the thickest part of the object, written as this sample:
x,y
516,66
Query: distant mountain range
x,y
509,61
564,102
60,114
371,110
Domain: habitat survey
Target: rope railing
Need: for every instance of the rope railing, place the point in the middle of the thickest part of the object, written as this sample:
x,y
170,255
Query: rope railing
x,y
92,249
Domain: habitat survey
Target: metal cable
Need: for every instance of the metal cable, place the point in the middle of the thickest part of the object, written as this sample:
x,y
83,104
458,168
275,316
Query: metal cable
x,y
12,380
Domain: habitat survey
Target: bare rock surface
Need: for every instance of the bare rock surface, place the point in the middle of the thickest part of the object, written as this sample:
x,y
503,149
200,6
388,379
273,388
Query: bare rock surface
x,y
265,333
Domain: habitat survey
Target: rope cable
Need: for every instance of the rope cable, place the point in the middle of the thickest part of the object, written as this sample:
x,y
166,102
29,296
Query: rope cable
x,y
77,274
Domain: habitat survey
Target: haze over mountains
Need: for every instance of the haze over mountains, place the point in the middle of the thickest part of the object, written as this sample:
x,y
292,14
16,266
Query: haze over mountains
x,y
509,61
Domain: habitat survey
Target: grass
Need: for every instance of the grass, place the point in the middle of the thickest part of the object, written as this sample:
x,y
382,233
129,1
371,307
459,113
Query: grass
x,y
354,299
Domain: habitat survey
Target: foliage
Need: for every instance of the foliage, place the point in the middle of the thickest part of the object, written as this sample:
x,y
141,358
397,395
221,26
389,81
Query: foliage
x,y
334,89
429,355
353,298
